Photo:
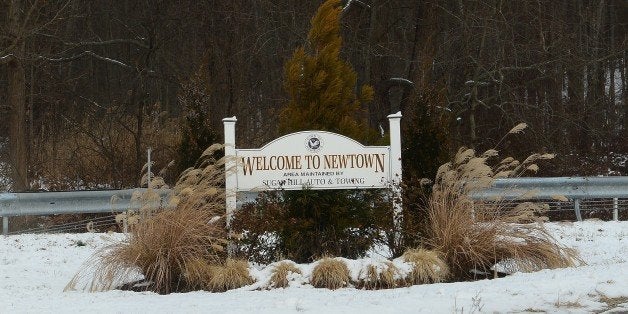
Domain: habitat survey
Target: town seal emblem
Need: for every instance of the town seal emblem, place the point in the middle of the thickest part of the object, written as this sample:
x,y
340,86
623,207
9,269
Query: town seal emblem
x,y
313,143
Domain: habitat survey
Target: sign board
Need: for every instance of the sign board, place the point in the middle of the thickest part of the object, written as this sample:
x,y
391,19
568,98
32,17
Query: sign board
x,y
313,160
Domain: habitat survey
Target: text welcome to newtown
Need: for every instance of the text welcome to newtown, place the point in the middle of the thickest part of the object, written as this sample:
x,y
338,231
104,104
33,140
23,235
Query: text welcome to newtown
x,y
299,162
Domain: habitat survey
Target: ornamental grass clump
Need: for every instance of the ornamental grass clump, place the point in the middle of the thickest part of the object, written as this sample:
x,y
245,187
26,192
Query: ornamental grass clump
x,y
281,274
427,267
160,248
379,276
170,248
473,239
197,273
330,273
232,274
474,236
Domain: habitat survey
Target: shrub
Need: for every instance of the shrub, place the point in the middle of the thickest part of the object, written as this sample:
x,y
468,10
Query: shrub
x,y
306,225
196,130
280,274
426,140
408,233
79,157
427,267
331,274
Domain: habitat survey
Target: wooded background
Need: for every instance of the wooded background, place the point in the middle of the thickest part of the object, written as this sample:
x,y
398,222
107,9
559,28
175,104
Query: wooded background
x,y
87,86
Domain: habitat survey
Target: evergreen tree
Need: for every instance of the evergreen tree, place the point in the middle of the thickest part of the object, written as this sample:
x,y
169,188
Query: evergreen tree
x,y
322,86
196,131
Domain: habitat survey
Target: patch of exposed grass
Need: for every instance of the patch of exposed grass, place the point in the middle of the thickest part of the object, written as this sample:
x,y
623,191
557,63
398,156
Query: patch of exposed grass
x,y
613,302
568,304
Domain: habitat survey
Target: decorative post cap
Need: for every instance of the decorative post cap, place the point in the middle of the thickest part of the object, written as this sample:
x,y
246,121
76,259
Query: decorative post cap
x,y
395,115
231,119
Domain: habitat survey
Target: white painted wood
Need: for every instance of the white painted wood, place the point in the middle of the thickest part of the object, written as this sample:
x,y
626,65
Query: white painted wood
x,y
316,160
231,183
394,121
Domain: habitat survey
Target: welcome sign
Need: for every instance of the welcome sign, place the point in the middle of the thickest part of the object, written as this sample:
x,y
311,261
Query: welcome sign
x,y
314,160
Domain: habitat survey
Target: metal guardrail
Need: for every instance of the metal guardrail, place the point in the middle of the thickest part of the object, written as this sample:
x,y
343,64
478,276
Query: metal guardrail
x,y
557,189
74,202
599,192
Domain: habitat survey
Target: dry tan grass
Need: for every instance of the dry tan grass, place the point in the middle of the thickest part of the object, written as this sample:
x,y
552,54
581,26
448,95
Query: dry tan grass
x,y
197,273
85,155
380,277
475,236
527,212
280,274
613,302
331,274
173,247
161,247
201,187
232,274
427,267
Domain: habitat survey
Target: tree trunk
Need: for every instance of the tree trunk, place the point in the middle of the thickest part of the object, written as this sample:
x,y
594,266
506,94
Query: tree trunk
x,y
17,129
16,90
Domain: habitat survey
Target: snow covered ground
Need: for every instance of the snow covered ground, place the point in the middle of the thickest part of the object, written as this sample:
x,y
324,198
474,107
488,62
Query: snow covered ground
x,y
34,269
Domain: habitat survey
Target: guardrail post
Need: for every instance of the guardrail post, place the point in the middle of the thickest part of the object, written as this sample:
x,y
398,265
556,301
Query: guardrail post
x,y
5,225
125,223
148,185
576,207
615,209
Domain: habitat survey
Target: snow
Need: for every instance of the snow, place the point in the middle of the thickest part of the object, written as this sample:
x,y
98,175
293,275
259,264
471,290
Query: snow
x,y
4,177
34,269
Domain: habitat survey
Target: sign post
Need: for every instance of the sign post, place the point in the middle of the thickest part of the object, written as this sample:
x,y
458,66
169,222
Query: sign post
x,y
394,120
231,182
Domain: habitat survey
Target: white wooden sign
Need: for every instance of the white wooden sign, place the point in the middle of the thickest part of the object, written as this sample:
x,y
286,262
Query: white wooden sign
x,y
311,159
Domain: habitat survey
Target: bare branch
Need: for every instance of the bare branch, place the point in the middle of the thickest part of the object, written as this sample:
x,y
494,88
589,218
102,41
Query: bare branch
x,y
109,42
357,2
399,81
87,53
6,58
56,16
